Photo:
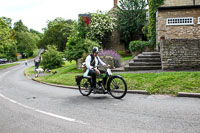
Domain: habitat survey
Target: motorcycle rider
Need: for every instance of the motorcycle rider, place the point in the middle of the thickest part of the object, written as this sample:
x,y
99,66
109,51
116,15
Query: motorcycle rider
x,y
92,61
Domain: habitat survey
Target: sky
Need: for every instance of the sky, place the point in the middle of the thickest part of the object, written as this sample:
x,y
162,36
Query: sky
x,y
35,13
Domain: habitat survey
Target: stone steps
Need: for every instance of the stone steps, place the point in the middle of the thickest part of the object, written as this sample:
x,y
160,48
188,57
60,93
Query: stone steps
x,y
145,61
151,53
137,68
132,63
136,59
148,56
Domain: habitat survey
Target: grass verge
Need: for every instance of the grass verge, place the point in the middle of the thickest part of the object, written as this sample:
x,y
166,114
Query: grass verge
x,y
8,65
126,58
154,83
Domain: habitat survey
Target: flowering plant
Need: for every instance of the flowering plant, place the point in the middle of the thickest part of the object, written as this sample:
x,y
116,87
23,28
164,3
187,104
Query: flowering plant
x,y
101,26
116,57
110,53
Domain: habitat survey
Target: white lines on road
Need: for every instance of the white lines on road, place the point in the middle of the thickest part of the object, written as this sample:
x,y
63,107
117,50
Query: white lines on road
x,y
43,112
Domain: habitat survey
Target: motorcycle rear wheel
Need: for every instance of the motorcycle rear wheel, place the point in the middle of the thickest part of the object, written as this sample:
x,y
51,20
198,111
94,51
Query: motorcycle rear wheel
x,y
85,87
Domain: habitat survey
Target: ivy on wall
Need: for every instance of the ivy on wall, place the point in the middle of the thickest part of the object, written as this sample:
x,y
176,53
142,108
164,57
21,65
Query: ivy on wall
x,y
153,6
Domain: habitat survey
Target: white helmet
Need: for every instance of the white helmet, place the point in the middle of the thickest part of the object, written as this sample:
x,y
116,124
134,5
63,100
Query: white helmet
x,y
95,50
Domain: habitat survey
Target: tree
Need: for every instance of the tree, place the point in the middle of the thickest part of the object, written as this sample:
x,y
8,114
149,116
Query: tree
x,y
8,21
101,26
78,44
7,41
131,17
26,43
153,5
26,40
52,58
40,35
56,34
20,27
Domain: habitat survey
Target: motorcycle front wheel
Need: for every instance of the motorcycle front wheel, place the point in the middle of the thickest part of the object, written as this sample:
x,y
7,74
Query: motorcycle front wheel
x,y
117,87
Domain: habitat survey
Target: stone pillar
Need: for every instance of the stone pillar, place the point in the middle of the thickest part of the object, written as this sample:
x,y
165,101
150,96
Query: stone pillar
x,y
162,39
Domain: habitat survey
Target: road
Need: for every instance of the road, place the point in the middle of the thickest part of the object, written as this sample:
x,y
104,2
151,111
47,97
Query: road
x,y
27,106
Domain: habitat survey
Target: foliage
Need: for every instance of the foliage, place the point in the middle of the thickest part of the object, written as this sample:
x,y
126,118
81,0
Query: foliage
x,y
20,27
77,44
26,40
7,41
56,34
139,46
52,58
81,48
109,53
26,43
116,57
8,21
38,34
131,17
101,26
56,21
125,53
153,5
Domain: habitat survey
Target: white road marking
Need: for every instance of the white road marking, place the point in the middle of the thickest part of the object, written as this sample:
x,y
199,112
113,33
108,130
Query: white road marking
x,y
43,112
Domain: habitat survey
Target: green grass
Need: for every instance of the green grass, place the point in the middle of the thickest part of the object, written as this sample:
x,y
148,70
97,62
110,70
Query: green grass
x,y
30,71
154,83
65,75
164,82
7,65
126,58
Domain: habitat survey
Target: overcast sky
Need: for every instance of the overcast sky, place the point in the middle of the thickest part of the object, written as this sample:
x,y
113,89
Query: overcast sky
x,y
35,13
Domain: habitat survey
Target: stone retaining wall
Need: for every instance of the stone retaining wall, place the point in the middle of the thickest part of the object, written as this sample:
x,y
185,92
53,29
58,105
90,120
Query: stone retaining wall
x,y
180,54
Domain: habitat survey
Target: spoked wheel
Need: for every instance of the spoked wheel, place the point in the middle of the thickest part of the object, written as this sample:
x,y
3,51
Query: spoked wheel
x,y
85,87
118,87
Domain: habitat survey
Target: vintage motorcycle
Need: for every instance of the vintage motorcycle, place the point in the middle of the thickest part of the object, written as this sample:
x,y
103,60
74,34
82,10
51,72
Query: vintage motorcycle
x,y
114,85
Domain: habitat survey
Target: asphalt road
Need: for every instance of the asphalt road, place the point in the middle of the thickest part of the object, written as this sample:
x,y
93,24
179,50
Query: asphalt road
x,y
27,106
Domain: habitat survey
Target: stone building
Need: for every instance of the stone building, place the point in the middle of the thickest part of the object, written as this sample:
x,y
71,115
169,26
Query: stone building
x,y
178,31
179,19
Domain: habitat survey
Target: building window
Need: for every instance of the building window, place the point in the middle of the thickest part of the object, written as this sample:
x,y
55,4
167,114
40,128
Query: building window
x,y
180,21
198,20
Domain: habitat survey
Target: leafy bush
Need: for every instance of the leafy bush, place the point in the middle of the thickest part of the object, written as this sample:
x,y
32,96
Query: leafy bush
x,y
101,26
80,48
140,46
52,58
124,53
117,58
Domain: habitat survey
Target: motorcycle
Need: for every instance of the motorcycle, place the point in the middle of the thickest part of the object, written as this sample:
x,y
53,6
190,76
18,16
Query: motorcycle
x,y
114,85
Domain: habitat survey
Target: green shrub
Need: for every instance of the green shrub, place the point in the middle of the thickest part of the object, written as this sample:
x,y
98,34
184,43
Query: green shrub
x,y
124,53
140,46
76,50
52,58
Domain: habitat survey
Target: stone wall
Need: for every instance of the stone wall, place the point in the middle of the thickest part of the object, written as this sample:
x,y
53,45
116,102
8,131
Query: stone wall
x,y
180,2
178,31
180,54
113,42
